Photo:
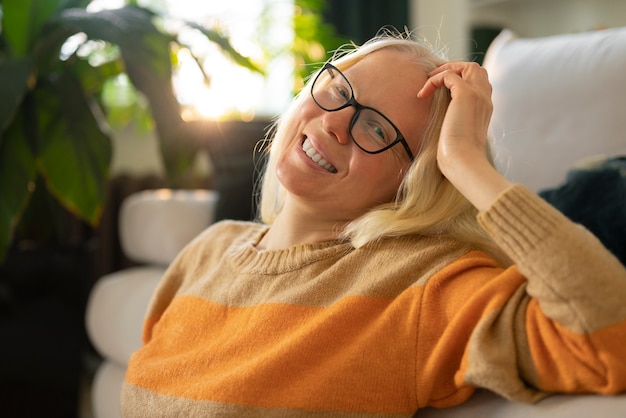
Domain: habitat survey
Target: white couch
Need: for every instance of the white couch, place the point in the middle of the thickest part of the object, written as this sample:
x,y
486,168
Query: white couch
x,y
154,227
557,100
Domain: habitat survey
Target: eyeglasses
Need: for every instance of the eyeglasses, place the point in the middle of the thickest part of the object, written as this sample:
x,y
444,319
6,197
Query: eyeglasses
x,y
370,130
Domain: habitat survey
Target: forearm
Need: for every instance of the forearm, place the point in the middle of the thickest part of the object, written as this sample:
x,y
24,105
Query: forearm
x,y
479,182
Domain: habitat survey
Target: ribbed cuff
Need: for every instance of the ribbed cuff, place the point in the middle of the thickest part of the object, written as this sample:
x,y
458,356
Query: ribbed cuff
x,y
519,220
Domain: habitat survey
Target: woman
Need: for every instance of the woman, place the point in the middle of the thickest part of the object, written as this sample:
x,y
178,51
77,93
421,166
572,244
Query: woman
x,y
394,269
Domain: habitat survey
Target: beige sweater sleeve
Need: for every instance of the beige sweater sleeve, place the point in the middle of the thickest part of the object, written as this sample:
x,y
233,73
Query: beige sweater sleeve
x,y
576,280
563,331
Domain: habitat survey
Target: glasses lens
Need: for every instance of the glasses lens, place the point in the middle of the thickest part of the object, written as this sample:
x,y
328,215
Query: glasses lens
x,y
372,131
331,90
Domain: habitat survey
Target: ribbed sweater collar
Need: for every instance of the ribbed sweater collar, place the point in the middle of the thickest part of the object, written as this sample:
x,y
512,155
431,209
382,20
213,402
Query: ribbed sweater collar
x,y
246,258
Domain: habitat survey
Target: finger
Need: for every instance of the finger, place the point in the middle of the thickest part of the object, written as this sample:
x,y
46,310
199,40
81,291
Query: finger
x,y
428,88
452,74
462,68
445,78
437,78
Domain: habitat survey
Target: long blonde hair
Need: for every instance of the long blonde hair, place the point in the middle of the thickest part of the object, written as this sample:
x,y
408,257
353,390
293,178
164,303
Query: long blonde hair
x,y
426,202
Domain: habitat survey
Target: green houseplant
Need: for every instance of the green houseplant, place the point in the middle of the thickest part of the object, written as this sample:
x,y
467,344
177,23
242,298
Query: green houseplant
x,y
55,150
314,39
53,131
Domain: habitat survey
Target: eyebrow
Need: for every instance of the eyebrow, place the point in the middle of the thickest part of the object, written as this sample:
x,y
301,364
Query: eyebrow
x,y
352,85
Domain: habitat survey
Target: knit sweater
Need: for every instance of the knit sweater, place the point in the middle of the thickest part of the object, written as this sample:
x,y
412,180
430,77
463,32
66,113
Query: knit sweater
x,y
381,331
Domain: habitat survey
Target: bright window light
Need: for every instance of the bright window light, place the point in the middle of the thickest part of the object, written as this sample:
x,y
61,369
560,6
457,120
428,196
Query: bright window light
x,y
259,29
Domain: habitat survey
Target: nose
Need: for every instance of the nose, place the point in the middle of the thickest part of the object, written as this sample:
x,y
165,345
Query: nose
x,y
337,123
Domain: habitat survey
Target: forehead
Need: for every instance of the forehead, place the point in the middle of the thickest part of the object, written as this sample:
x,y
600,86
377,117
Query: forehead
x,y
386,69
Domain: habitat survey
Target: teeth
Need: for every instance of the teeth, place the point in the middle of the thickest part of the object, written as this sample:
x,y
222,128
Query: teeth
x,y
315,156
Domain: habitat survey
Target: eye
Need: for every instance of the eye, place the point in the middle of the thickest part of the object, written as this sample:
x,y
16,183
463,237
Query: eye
x,y
339,91
378,134
343,92
377,128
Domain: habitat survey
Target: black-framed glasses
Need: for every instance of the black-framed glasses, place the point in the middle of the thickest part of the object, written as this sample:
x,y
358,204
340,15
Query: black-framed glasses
x,y
370,130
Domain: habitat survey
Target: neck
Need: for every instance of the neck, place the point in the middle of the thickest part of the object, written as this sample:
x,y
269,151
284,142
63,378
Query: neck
x,y
292,227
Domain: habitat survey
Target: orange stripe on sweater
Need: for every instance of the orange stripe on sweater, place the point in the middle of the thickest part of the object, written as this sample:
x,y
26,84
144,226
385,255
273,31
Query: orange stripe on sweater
x,y
465,293
577,363
355,355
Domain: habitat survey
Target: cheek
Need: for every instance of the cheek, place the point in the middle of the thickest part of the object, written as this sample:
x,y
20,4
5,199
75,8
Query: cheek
x,y
382,180
390,186
307,109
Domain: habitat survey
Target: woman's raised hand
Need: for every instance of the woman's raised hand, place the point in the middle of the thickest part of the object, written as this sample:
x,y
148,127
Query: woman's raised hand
x,y
462,151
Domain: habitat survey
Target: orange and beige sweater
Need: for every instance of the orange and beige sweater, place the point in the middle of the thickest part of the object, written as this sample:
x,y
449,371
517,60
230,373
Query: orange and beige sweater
x,y
326,330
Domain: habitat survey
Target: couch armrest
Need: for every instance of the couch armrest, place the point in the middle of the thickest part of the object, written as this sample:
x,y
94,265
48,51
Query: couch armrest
x,y
485,404
116,309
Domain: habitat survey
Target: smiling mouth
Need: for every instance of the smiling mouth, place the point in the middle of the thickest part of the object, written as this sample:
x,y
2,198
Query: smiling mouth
x,y
316,157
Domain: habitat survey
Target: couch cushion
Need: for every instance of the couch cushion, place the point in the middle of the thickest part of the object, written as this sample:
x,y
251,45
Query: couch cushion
x,y
557,100
156,224
485,404
116,309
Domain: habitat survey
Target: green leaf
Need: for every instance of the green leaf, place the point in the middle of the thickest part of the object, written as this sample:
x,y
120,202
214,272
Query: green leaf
x,y
22,21
93,78
144,49
17,172
14,75
75,153
130,28
311,5
67,4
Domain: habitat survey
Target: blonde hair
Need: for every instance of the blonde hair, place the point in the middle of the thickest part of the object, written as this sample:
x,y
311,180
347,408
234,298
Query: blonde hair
x,y
426,202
